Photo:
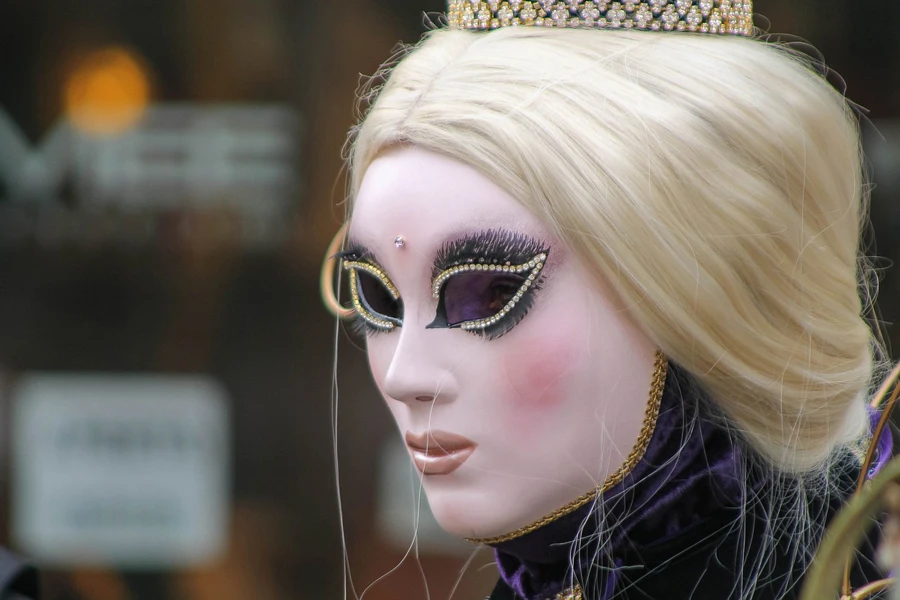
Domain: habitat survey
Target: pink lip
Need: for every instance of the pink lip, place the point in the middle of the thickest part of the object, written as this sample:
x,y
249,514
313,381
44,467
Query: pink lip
x,y
439,452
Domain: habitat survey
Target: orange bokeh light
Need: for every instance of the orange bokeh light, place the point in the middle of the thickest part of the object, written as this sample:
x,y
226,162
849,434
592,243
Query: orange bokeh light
x,y
107,91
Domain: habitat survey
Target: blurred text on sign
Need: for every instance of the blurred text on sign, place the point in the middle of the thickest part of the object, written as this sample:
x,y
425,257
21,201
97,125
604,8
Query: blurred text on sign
x,y
124,470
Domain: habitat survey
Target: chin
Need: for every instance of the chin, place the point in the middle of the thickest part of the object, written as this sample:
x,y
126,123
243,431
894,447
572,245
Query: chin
x,y
473,515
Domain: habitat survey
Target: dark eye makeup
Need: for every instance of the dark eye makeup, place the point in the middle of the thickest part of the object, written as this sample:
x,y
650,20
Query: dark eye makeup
x,y
484,283
375,298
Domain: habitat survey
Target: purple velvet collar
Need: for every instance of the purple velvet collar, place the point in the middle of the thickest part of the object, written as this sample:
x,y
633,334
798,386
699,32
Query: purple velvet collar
x,y
691,470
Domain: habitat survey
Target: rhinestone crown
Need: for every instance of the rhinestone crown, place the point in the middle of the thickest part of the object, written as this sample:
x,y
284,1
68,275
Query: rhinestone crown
x,y
701,16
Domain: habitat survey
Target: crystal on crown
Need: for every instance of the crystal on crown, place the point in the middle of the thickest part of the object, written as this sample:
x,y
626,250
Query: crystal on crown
x,y
733,17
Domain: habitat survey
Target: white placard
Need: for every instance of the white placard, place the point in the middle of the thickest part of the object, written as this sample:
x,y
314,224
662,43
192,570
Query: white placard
x,y
120,470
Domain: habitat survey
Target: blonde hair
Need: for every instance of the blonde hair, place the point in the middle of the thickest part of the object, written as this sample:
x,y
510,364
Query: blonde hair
x,y
714,183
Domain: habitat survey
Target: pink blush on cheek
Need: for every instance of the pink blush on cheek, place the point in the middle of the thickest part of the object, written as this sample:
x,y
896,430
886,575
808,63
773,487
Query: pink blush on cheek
x,y
537,375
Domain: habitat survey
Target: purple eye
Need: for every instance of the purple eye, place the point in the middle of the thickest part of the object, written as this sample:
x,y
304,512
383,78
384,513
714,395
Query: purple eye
x,y
485,282
478,295
376,298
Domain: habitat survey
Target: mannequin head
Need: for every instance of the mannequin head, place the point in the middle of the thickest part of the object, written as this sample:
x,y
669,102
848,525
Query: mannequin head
x,y
552,403
698,195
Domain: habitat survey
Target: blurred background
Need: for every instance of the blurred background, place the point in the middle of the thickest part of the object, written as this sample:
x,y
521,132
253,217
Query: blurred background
x,y
170,173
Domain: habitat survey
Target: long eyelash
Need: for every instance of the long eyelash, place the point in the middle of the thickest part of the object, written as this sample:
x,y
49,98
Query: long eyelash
x,y
492,246
361,327
355,252
346,254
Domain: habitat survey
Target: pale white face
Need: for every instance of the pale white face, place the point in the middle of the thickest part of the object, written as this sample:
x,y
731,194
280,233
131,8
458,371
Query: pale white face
x,y
509,425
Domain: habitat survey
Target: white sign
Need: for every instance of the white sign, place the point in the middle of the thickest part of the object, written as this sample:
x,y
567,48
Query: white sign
x,y
120,470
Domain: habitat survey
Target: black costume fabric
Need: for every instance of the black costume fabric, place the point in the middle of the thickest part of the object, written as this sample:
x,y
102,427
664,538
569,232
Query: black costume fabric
x,y
690,521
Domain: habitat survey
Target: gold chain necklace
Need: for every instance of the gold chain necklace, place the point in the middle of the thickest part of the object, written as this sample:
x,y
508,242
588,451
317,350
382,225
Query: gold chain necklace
x,y
569,594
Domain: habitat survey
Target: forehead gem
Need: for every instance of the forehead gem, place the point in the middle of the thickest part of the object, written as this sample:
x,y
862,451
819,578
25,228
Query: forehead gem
x,y
399,242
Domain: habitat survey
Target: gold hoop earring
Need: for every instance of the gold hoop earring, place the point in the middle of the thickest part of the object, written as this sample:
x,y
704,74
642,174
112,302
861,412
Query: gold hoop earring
x,y
326,279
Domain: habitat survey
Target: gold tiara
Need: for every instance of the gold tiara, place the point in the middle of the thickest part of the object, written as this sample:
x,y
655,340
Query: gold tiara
x,y
700,16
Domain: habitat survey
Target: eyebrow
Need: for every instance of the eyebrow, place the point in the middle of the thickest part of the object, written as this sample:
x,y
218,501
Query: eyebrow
x,y
490,246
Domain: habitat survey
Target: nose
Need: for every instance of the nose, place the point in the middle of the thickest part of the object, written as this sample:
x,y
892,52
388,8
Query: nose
x,y
418,370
